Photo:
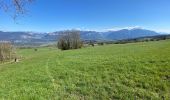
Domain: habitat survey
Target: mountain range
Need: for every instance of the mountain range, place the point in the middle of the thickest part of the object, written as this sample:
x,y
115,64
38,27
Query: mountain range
x,y
35,37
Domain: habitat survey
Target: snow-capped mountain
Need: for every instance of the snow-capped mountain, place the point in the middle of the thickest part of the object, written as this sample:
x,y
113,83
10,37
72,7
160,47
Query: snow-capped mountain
x,y
85,35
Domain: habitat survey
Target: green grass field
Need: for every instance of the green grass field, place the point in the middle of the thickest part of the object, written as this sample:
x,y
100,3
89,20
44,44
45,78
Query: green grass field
x,y
120,71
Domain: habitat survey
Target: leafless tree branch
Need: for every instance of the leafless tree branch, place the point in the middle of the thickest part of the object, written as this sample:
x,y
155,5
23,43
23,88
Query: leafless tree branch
x,y
16,7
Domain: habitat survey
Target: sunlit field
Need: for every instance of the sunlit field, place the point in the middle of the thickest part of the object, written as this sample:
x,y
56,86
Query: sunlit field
x,y
117,71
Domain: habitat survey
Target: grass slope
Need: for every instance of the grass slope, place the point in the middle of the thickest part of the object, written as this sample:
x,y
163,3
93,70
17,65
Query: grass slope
x,y
123,71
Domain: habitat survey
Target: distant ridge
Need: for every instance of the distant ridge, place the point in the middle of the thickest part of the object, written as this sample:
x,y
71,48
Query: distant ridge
x,y
33,37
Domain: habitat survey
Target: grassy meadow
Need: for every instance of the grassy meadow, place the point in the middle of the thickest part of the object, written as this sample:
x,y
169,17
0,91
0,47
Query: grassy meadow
x,y
139,71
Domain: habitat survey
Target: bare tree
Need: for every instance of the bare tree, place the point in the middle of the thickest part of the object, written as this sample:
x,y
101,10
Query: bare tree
x,y
69,40
17,7
5,50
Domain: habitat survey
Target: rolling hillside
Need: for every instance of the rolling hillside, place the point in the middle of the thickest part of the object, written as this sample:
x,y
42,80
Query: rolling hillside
x,y
120,71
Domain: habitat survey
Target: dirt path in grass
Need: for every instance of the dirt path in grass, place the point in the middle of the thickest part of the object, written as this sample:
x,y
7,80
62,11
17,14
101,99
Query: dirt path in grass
x,y
50,76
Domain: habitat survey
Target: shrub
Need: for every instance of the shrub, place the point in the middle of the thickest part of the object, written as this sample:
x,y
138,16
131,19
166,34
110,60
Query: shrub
x,y
5,51
69,40
91,43
35,49
100,43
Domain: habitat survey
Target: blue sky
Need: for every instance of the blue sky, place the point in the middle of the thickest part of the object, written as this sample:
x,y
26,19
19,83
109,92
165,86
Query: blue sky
x,y
53,15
